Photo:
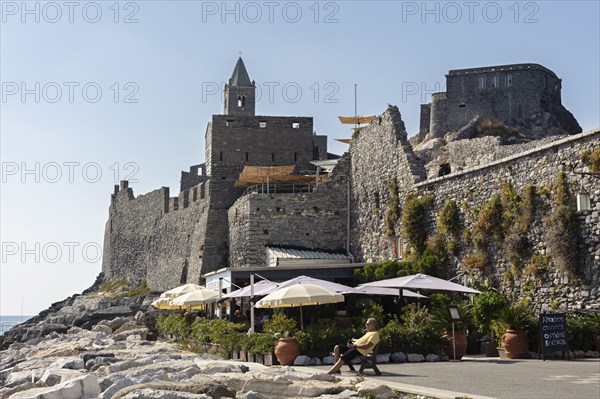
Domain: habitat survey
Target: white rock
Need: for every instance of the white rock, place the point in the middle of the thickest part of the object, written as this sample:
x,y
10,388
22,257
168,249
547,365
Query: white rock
x,y
116,387
432,357
415,357
383,358
148,393
302,360
594,354
52,377
398,357
328,360
374,389
73,363
315,361
102,328
82,387
139,332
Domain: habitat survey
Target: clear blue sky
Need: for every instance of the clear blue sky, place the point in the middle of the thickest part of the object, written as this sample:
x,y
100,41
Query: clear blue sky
x,y
157,74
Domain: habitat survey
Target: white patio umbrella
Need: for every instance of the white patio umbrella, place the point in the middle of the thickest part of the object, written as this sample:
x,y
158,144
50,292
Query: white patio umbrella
x,y
299,294
197,297
263,285
369,290
330,285
422,281
178,291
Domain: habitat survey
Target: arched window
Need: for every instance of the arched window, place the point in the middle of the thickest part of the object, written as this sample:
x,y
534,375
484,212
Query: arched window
x,y
239,101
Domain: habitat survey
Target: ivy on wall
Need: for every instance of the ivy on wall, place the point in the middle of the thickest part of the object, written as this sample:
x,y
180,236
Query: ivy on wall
x,y
391,216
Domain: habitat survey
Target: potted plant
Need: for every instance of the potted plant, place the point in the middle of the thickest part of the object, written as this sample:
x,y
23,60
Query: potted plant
x,y
457,340
283,328
514,320
486,307
262,348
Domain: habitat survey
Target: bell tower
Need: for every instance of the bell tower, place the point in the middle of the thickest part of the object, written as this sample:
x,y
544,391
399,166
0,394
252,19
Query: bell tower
x,y
240,92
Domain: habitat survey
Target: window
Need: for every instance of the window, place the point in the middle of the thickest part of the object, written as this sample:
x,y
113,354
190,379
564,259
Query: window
x,y
509,80
295,157
461,105
239,101
376,198
221,156
481,82
247,157
495,81
272,157
243,101
262,124
296,125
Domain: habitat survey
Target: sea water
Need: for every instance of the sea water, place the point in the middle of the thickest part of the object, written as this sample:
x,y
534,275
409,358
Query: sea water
x,y
7,322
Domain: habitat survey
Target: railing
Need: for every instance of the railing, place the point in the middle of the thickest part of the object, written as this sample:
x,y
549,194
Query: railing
x,y
293,188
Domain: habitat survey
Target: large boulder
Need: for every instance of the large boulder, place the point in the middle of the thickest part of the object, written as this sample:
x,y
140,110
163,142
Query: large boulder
x,y
85,386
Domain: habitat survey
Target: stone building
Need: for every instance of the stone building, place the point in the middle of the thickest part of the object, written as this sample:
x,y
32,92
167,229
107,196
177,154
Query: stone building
x,y
524,96
268,201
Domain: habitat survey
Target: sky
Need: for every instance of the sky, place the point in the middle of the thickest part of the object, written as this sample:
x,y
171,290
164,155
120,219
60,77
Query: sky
x,y
98,92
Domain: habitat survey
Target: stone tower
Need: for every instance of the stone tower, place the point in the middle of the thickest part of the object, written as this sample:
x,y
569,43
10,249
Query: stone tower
x,y
240,92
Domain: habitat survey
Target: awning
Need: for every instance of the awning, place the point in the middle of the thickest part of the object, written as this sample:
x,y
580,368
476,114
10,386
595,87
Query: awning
x,y
278,256
252,175
353,120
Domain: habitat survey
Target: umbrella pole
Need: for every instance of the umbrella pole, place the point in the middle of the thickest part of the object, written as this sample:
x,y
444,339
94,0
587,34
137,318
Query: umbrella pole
x,y
252,303
301,319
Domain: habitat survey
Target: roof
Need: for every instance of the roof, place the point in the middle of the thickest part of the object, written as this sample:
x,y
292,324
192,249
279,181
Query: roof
x,y
252,175
278,253
240,77
347,120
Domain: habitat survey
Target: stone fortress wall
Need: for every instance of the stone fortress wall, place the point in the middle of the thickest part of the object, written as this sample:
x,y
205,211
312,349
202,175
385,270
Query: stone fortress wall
x,y
384,154
509,93
211,224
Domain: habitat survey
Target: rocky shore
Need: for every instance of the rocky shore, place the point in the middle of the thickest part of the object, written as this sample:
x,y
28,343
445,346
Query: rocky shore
x,y
98,345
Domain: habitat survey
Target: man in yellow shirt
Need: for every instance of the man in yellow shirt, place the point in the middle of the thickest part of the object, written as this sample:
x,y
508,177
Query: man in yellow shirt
x,y
360,347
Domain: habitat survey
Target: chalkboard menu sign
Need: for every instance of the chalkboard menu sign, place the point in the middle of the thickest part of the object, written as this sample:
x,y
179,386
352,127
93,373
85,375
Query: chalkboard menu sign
x,y
553,334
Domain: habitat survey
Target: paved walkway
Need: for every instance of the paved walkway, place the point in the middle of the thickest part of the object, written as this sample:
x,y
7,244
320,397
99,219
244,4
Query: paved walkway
x,y
483,377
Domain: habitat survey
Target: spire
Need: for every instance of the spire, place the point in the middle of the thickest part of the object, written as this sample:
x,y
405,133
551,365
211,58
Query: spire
x,y
240,75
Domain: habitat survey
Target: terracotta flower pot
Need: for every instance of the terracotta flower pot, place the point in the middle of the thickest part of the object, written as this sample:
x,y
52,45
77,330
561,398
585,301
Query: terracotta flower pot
x,y
286,350
461,344
515,343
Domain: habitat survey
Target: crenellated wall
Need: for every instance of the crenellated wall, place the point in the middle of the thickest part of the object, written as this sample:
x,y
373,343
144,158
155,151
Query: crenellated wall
x,y
154,237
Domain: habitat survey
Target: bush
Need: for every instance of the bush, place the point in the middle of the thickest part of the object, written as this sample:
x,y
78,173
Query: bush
x,y
562,237
259,343
324,334
175,324
486,307
414,219
448,222
384,270
280,324
225,334
475,261
581,330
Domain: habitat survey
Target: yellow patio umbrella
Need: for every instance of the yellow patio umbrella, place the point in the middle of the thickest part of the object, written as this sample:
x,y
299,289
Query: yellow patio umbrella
x,y
164,304
300,294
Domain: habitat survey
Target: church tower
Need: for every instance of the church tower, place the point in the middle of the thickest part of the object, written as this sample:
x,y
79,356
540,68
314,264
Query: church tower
x,y
240,92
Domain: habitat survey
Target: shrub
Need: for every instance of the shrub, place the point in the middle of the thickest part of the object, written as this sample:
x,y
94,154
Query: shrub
x,y
538,264
487,225
260,343
581,330
113,285
448,220
324,334
414,220
486,307
475,261
280,324
562,237
175,324
391,216
225,334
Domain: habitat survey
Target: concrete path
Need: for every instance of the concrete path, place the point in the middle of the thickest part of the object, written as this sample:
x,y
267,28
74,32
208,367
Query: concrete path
x,y
483,377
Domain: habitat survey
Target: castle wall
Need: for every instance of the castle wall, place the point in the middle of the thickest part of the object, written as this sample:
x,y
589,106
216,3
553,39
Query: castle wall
x,y
508,93
156,238
380,154
316,220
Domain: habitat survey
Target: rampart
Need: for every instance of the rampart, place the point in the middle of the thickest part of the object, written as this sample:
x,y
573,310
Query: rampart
x,y
380,155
